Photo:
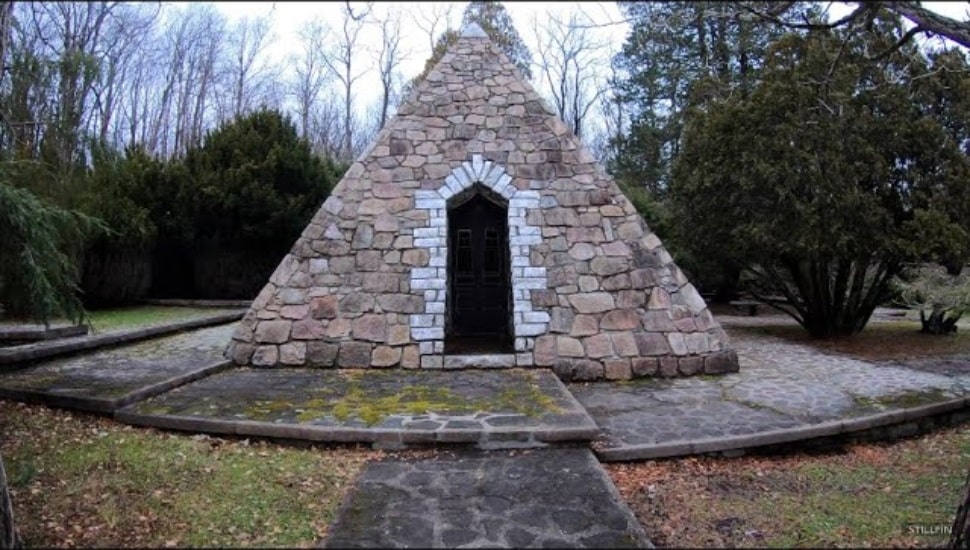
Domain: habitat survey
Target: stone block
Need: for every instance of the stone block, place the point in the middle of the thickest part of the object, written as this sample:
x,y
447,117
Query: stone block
x,y
370,327
582,251
657,321
620,319
689,366
644,366
381,282
721,362
598,346
338,328
642,278
569,347
604,266
687,325
369,260
308,329
651,344
697,343
585,235
545,350
293,296
630,298
363,237
401,303
321,354
561,320
265,356
584,325
668,367
624,344
542,297
273,332
343,264
357,302
294,312
323,307
677,343
592,302
385,356
620,281
588,283
398,334
354,354
659,299
241,353
432,362
410,358
293,353
617,369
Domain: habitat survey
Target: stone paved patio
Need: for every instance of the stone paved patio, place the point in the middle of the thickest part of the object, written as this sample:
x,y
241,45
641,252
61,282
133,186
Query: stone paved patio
x,y
781,386
390,408
110,378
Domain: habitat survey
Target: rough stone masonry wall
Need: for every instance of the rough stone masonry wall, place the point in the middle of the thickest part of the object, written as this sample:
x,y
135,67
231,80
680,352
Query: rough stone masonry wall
x,y
595,293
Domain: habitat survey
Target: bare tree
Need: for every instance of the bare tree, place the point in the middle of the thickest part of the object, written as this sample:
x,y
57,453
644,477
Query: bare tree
x,y
249,79
924,20
128,39
193,40
611,113
434,23
311,72
568,58
341,64
70,36
389,57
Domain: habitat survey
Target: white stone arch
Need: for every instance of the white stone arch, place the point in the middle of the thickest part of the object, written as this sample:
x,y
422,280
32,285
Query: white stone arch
x,y
428,328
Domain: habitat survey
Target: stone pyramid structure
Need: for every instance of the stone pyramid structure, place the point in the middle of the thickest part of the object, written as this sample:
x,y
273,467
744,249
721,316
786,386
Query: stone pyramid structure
x,y
478,231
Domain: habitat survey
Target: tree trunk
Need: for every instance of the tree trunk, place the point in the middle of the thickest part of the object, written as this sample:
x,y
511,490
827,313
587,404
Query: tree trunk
x,y
960,533
937,322
8,532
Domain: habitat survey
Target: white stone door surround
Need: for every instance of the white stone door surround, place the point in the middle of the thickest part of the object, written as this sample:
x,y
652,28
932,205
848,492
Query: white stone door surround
x,y
428,328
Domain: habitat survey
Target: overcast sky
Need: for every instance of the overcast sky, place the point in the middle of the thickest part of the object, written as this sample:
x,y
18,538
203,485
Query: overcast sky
x,y
287,18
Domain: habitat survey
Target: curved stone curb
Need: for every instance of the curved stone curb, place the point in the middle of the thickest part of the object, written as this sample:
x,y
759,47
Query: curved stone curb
x,y
197,303
42,350
105,405
37,333
385,438
790,435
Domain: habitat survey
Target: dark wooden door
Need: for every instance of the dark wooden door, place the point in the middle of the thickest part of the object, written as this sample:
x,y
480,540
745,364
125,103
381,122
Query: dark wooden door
x,y
478,268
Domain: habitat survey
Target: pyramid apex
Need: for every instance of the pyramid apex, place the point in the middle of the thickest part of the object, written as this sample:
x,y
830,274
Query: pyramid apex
x,y
472,30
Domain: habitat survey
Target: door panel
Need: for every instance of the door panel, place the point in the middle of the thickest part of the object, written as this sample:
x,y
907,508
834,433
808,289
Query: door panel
x,y
478,268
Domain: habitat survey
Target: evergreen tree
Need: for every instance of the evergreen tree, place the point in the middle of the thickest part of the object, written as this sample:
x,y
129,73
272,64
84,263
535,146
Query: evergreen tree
x,y
249,191
829,176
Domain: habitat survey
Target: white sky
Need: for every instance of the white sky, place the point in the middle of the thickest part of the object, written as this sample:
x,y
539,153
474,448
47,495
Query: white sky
x,y
288,16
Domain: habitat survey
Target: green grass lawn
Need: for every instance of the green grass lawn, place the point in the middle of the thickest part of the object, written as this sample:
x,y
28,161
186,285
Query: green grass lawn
x,y
130,317
82,480
105,320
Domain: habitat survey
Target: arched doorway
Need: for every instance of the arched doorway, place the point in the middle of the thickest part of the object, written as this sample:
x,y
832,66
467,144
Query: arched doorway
x,y
479,279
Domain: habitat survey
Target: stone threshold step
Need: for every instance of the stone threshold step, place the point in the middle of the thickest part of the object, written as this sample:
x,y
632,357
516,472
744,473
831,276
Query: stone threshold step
x,y
480,361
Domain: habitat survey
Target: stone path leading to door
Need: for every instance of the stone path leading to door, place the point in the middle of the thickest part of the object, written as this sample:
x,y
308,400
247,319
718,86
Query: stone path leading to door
x,y
549,498
551,490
